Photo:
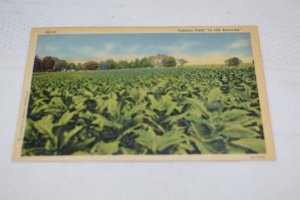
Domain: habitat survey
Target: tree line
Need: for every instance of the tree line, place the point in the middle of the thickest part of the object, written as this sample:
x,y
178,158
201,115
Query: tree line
x,y
50,63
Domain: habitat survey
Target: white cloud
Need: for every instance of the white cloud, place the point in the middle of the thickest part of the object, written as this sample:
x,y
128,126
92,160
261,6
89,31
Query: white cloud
x,y
86,50
133,49
109,46
239,44
210,58
181,47
50,48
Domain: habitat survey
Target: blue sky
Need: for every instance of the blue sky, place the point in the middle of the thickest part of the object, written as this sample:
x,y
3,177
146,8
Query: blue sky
x,y
197,48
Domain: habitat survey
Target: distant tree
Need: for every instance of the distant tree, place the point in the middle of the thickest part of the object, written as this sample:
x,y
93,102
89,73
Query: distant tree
x,y
111,64
78,66
60,65
145,62
234,61
37,65
140,63
123,64
48,63
169,61
91,65
71,66
158,60
102,65
181,62
134,63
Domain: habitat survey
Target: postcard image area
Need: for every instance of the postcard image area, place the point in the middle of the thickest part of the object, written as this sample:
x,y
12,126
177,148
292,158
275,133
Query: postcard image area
x,y
144,93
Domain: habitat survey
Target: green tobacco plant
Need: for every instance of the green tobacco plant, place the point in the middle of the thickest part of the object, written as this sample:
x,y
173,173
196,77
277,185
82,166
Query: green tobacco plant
x,y
144,111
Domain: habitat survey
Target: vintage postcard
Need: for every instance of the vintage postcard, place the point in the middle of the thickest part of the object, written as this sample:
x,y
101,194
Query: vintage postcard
x,y
144,93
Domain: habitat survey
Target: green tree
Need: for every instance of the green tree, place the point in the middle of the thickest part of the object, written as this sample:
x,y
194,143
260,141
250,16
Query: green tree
x,y
169,61
234,61
37,66
141,63
78,66
48,63
158,60
111,64
102,65
145,62
122,64
91,65
135,63
59,65
181,62
71,66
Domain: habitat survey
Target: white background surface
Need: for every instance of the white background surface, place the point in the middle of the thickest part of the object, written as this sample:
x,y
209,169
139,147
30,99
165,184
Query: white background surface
x,y
279,28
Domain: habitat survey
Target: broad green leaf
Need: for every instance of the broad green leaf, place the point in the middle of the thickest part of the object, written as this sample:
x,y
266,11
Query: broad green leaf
x,y
157,125
201,127
65,118
214,95
161,84
55,93
128,151
147,138
237,132
171,106
44,126
101,120
39,109
198,106
172,137
49,145
68,135
235,149
78,99
217,145
34,151
87,93
234,114
78,102
155,103
112,105
127,115
175,118
102,148
199,144
84,144
38,102
56,102
257,145
250,121
182,148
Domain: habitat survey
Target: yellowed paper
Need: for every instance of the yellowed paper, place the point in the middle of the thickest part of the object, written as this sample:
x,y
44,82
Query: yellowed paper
x,y
144,93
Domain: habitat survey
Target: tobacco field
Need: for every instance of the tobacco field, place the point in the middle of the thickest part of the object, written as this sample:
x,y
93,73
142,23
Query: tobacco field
x,y
144,111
